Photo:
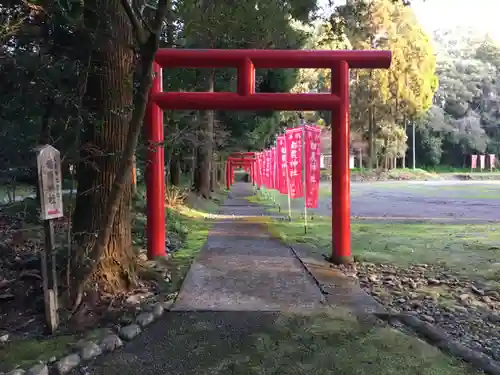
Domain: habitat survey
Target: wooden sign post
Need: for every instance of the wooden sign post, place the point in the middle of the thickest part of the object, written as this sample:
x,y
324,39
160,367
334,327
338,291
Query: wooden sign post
x,y
50,182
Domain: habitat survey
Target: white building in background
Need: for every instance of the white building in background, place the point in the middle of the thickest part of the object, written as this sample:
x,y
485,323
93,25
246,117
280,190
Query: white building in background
x,y
326,161
326,152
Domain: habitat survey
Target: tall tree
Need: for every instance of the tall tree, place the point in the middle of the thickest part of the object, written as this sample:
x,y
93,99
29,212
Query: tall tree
x,y
383,100
108,99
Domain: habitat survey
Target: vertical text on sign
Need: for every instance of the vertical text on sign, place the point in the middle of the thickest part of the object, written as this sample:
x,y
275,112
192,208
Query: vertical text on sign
x,y
312,153
50,182
294,162
281,147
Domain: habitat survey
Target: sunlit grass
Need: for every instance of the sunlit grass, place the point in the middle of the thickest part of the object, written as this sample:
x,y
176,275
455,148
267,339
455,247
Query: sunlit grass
x,y
469,249
472,250
195,217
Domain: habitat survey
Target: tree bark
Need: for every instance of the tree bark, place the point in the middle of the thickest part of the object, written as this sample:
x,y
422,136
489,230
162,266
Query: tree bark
x,y
175,170
109,99
205,149
104,255
371,139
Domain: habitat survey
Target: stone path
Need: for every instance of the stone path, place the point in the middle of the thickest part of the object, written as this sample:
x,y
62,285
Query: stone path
x,y
242,268
239,284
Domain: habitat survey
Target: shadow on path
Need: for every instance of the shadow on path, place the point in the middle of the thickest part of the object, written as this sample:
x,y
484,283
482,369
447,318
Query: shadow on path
x,y
250,306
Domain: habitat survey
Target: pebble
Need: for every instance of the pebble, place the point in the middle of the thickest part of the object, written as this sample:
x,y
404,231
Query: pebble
x,y
167,305
17,371
433,281
90,350
110,343
158,310
428,318
476,290
494,318
66,364
39,369
129,332
145,318
471,320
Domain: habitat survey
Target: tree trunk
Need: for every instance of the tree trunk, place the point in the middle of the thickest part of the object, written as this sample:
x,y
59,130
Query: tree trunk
x,y
134,177
109,99
219,174
168,163
205,150
213,176
175,170
371,139
193,169
404,153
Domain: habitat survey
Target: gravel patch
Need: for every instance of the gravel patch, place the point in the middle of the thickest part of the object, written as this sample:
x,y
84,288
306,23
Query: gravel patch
x,y
466,310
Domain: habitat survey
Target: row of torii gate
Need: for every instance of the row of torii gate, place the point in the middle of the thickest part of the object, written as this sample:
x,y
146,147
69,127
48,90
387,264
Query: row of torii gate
x,y
239,160
246,61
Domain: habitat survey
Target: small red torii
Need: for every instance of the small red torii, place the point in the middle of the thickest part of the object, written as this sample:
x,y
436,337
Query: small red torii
x,y
246,61
239,160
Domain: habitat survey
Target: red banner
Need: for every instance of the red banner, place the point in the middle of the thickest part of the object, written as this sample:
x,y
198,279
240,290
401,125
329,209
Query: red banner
x,y
268,169
256,170
272,173
261,169
473,161
492,161
281,160
312,155
294,162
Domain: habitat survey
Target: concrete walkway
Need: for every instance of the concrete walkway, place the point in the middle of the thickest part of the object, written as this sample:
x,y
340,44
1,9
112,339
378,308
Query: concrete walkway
x,y
240,284
242,268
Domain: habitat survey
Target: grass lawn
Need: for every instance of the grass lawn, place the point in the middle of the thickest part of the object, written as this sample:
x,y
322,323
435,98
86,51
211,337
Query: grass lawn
x,y
472,250
335,342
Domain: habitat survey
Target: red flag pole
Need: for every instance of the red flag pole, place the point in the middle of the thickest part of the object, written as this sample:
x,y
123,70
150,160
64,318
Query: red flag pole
x,y
288,184
303,124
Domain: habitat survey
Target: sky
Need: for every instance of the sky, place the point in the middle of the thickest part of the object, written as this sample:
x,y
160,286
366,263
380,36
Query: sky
x,y
434,14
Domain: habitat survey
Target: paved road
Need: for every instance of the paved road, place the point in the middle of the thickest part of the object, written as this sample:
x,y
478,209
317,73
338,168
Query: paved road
x,y
472,201
459,201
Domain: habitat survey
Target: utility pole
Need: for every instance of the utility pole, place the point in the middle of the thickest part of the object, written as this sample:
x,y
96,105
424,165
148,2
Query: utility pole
x,y
413,146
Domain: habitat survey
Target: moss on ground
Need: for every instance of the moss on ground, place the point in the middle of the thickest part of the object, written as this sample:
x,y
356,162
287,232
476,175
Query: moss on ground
x,y
24,353
335,342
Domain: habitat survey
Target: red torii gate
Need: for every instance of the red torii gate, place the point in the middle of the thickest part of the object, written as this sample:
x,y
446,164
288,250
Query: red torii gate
x,y
238,160
247,99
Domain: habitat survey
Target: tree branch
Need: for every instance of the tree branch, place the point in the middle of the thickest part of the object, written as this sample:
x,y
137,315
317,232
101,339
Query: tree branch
x,y
139,32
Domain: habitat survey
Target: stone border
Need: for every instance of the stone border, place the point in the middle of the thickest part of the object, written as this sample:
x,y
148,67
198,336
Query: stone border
x,y
88,350
433,335
440,339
